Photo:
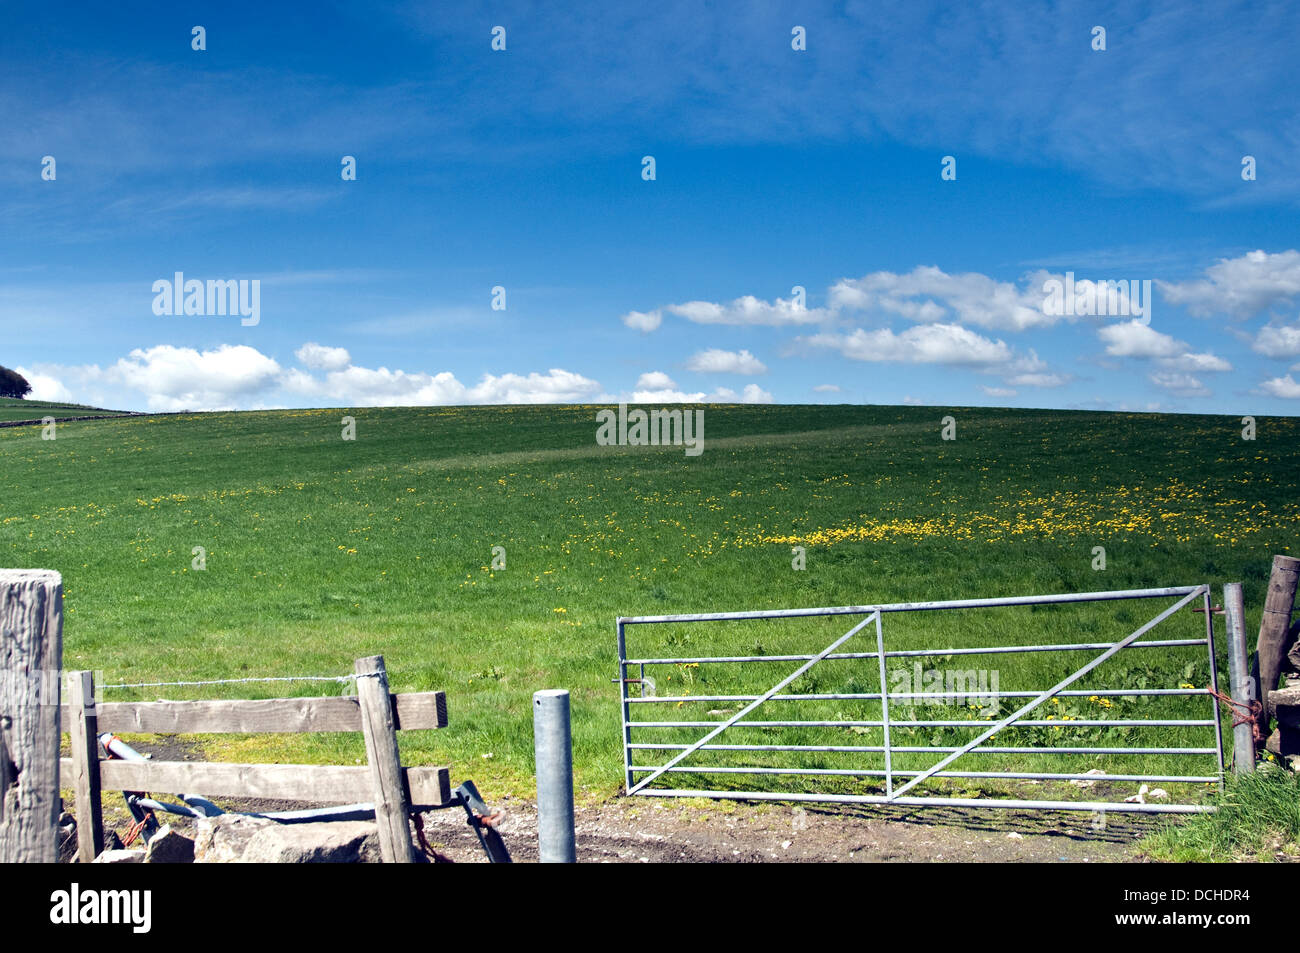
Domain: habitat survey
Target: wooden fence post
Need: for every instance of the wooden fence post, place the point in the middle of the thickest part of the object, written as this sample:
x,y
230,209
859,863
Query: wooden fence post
x,y
392,808
1273,628
84,734
1240,683
31,654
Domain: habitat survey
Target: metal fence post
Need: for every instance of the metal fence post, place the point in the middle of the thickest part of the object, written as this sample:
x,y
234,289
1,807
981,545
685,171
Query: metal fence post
x,y
1242,686
553,750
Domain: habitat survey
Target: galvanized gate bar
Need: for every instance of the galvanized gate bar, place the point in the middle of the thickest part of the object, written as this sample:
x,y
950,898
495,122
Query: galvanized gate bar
x,y
868,696
1027,723
1108,596
915,653
669,746
627,712
1069,680
1214,683
1093,807
884,709
750,707
1017,775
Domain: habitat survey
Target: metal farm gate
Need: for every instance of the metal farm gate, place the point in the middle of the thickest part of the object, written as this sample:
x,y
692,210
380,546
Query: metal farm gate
x,y
696,753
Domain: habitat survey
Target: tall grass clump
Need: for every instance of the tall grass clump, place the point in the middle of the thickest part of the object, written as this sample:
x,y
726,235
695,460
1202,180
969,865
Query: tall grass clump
x,y
1258,818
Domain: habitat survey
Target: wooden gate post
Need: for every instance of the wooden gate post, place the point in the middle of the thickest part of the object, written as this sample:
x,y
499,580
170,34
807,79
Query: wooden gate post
x,y
31,654
84,735
1273,627
392,808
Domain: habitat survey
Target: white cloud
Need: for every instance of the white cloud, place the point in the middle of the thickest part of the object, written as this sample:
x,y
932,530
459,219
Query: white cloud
x,y
1135,339
1239,286
752,394
45,387
1182,385
1138,340
320,357
1038,380
827,388
232,377
643,321
1282,387
923,344
928,295
1278,340
181,378
655,380
379,387
718,361
665,396
998,391
1196,362
748,310
743,311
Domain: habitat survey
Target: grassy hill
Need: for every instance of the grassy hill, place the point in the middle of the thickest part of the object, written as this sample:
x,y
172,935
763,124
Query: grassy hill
x,y
319,550
14,409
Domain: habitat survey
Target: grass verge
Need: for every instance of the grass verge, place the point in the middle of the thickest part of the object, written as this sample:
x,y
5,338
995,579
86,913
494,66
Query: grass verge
x,y
1258,820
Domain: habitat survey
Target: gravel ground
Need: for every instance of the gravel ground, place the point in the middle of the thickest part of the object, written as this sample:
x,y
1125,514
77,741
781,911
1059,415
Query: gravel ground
x,y
662,830
648,830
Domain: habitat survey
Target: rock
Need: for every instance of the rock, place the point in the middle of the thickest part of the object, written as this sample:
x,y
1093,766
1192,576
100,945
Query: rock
x,y
1079,783
238,838
112,841
120,857
1140,797
169,847
1285,704
67,838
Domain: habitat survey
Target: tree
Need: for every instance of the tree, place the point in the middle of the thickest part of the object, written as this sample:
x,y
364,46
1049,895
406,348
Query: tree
x,y
13,384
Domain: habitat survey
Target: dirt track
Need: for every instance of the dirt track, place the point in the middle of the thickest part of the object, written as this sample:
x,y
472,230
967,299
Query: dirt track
x,y
647,830
662,830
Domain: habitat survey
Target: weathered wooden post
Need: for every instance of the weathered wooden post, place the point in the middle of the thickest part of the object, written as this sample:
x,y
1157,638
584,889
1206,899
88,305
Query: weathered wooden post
x,y
31,654
83,731
1273,627
392,808
1240,683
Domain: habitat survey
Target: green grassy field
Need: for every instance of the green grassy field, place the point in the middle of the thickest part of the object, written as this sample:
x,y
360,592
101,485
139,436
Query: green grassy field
x,y
14,409
320,550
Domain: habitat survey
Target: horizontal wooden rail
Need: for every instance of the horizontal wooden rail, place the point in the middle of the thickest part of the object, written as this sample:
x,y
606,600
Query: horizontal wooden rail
x,y
376,712
428,787
420,710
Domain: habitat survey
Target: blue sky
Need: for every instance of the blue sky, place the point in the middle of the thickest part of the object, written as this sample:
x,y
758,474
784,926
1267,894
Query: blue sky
x,y
775,168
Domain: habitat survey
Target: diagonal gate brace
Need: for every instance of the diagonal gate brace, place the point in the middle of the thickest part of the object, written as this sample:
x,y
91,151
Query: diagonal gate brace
x,y
754,704
1034,703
